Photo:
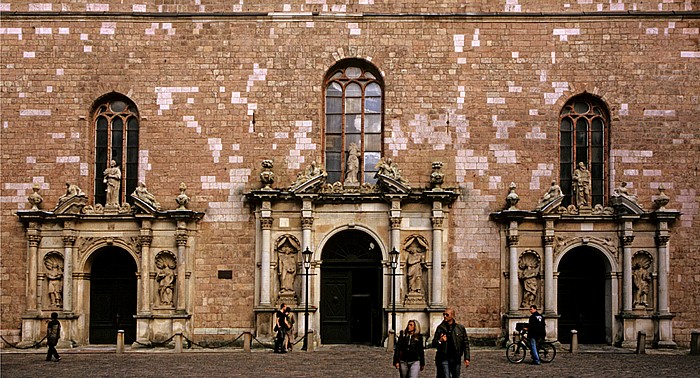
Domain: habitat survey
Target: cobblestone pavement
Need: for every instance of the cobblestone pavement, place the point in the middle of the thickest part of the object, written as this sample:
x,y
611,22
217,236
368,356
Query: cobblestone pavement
x,y
333,361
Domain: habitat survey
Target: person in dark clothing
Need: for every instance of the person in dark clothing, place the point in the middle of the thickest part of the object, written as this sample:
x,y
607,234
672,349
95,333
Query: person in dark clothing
x,y
452,343
409,355
535,331
53,333
280,329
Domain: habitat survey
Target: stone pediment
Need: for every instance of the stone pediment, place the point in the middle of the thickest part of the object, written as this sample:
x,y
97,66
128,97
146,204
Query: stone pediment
x,y
141,206
71,205
625,205
392,185
551,206
308,185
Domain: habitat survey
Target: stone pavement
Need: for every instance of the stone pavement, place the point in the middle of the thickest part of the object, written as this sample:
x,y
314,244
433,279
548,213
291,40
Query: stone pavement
x,y
333,361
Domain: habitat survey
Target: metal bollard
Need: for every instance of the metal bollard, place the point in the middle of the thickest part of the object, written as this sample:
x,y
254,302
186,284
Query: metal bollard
x,y
574,341
641,342
247,340
391,339
178,342
310,341
695,343
120,341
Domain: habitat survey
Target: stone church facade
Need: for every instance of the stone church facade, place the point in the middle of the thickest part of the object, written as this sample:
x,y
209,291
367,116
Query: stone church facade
x,y
166,165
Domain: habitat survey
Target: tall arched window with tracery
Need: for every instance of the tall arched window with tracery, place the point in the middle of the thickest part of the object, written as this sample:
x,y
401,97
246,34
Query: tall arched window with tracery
x,y
583,130
116,123
354,122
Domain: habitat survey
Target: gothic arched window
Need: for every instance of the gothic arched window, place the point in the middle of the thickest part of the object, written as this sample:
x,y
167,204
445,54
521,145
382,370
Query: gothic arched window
x,y
354,122
116,123
583,130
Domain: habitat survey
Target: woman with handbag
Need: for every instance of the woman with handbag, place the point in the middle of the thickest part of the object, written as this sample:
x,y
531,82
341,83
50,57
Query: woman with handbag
x,y
409,355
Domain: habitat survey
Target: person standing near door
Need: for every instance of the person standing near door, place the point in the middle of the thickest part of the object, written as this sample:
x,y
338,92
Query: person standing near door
x,y
53,333
535,331
452,343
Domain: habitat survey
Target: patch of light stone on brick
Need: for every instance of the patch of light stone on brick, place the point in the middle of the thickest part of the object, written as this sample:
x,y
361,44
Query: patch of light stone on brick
x,y
617,5
458,40
396,140
235,159
153,28
232,209
425,129
466,160
460,98
651,172
624,109
12,31
237,7
67,159
21,190
494,182
559,88
536,132
690,54
354,28
565,33
57,135
40,7
29,54
501,127
631,172
144,165
97,7
190,122
475,39
659,113
169,27
165,96
339,8
630,156
5,7
512,6
138,8
689,206
502,154
35,112
108,28
543,170
302,143
215,148
43,31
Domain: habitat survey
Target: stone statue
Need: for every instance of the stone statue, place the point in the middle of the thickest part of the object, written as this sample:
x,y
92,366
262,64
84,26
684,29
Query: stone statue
x,y
165,278
72,190
622,191
54,278
182,199
552,194
353,166
641,278
286,268
267,177
312,171
512,198
144,195
414,267
113,179
388,168
529,271
582,185
35,198
437,177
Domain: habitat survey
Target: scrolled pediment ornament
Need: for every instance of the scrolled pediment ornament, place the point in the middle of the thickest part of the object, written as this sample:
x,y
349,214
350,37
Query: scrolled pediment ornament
x,y
562,243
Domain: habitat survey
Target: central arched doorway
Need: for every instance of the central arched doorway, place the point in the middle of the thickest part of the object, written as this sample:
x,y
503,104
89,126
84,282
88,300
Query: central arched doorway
x,y
112,296
581,298
351,290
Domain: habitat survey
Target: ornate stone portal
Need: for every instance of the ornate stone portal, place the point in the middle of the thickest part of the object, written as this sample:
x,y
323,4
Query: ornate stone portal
x,y
63,243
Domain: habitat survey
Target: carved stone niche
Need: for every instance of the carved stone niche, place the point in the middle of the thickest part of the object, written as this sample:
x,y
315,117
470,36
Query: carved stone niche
x,y
166,267
53,263
642,266
287,249
415,248
529,275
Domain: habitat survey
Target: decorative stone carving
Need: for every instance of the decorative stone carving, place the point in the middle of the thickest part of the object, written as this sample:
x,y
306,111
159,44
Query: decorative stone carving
x,y
35,198
287,247
661,199
553,195
641,278
53,262
142,194
113,179
182,199
622,191
389,176
165,276
416,247
512,198
437,177
310,179
529,275
353,165
72,202
582,185
267,177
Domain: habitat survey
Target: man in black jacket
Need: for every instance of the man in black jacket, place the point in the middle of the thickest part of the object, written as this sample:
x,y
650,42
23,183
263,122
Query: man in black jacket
x,y
53,333
451,342
535,331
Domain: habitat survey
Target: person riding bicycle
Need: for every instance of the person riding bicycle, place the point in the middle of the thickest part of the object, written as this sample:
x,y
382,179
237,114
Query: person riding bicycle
x,y
535,331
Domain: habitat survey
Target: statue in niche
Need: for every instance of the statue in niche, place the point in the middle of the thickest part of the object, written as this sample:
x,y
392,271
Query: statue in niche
x,y
35,198
165,276
529,265
182,199
622,191
353,165
144,195
54,279
113,179
641,278
287,248
582,185
415,262
552,194
72,190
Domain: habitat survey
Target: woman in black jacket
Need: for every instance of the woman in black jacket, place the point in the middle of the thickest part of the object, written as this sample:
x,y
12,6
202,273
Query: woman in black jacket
x,y
409,356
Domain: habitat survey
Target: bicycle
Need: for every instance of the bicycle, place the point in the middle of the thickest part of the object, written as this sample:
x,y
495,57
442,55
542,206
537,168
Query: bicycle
x,y
517,350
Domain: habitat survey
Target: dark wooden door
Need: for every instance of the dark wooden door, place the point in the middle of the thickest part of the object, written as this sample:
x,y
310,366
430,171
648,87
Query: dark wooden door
x,y
336,306
112,297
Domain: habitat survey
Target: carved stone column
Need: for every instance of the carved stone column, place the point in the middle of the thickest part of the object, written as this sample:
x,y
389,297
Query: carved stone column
x,y
396,243
181,236
662,244
68,243
145,238
33,240
512,239
266,224
306,225
626,239
548,240
437,221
